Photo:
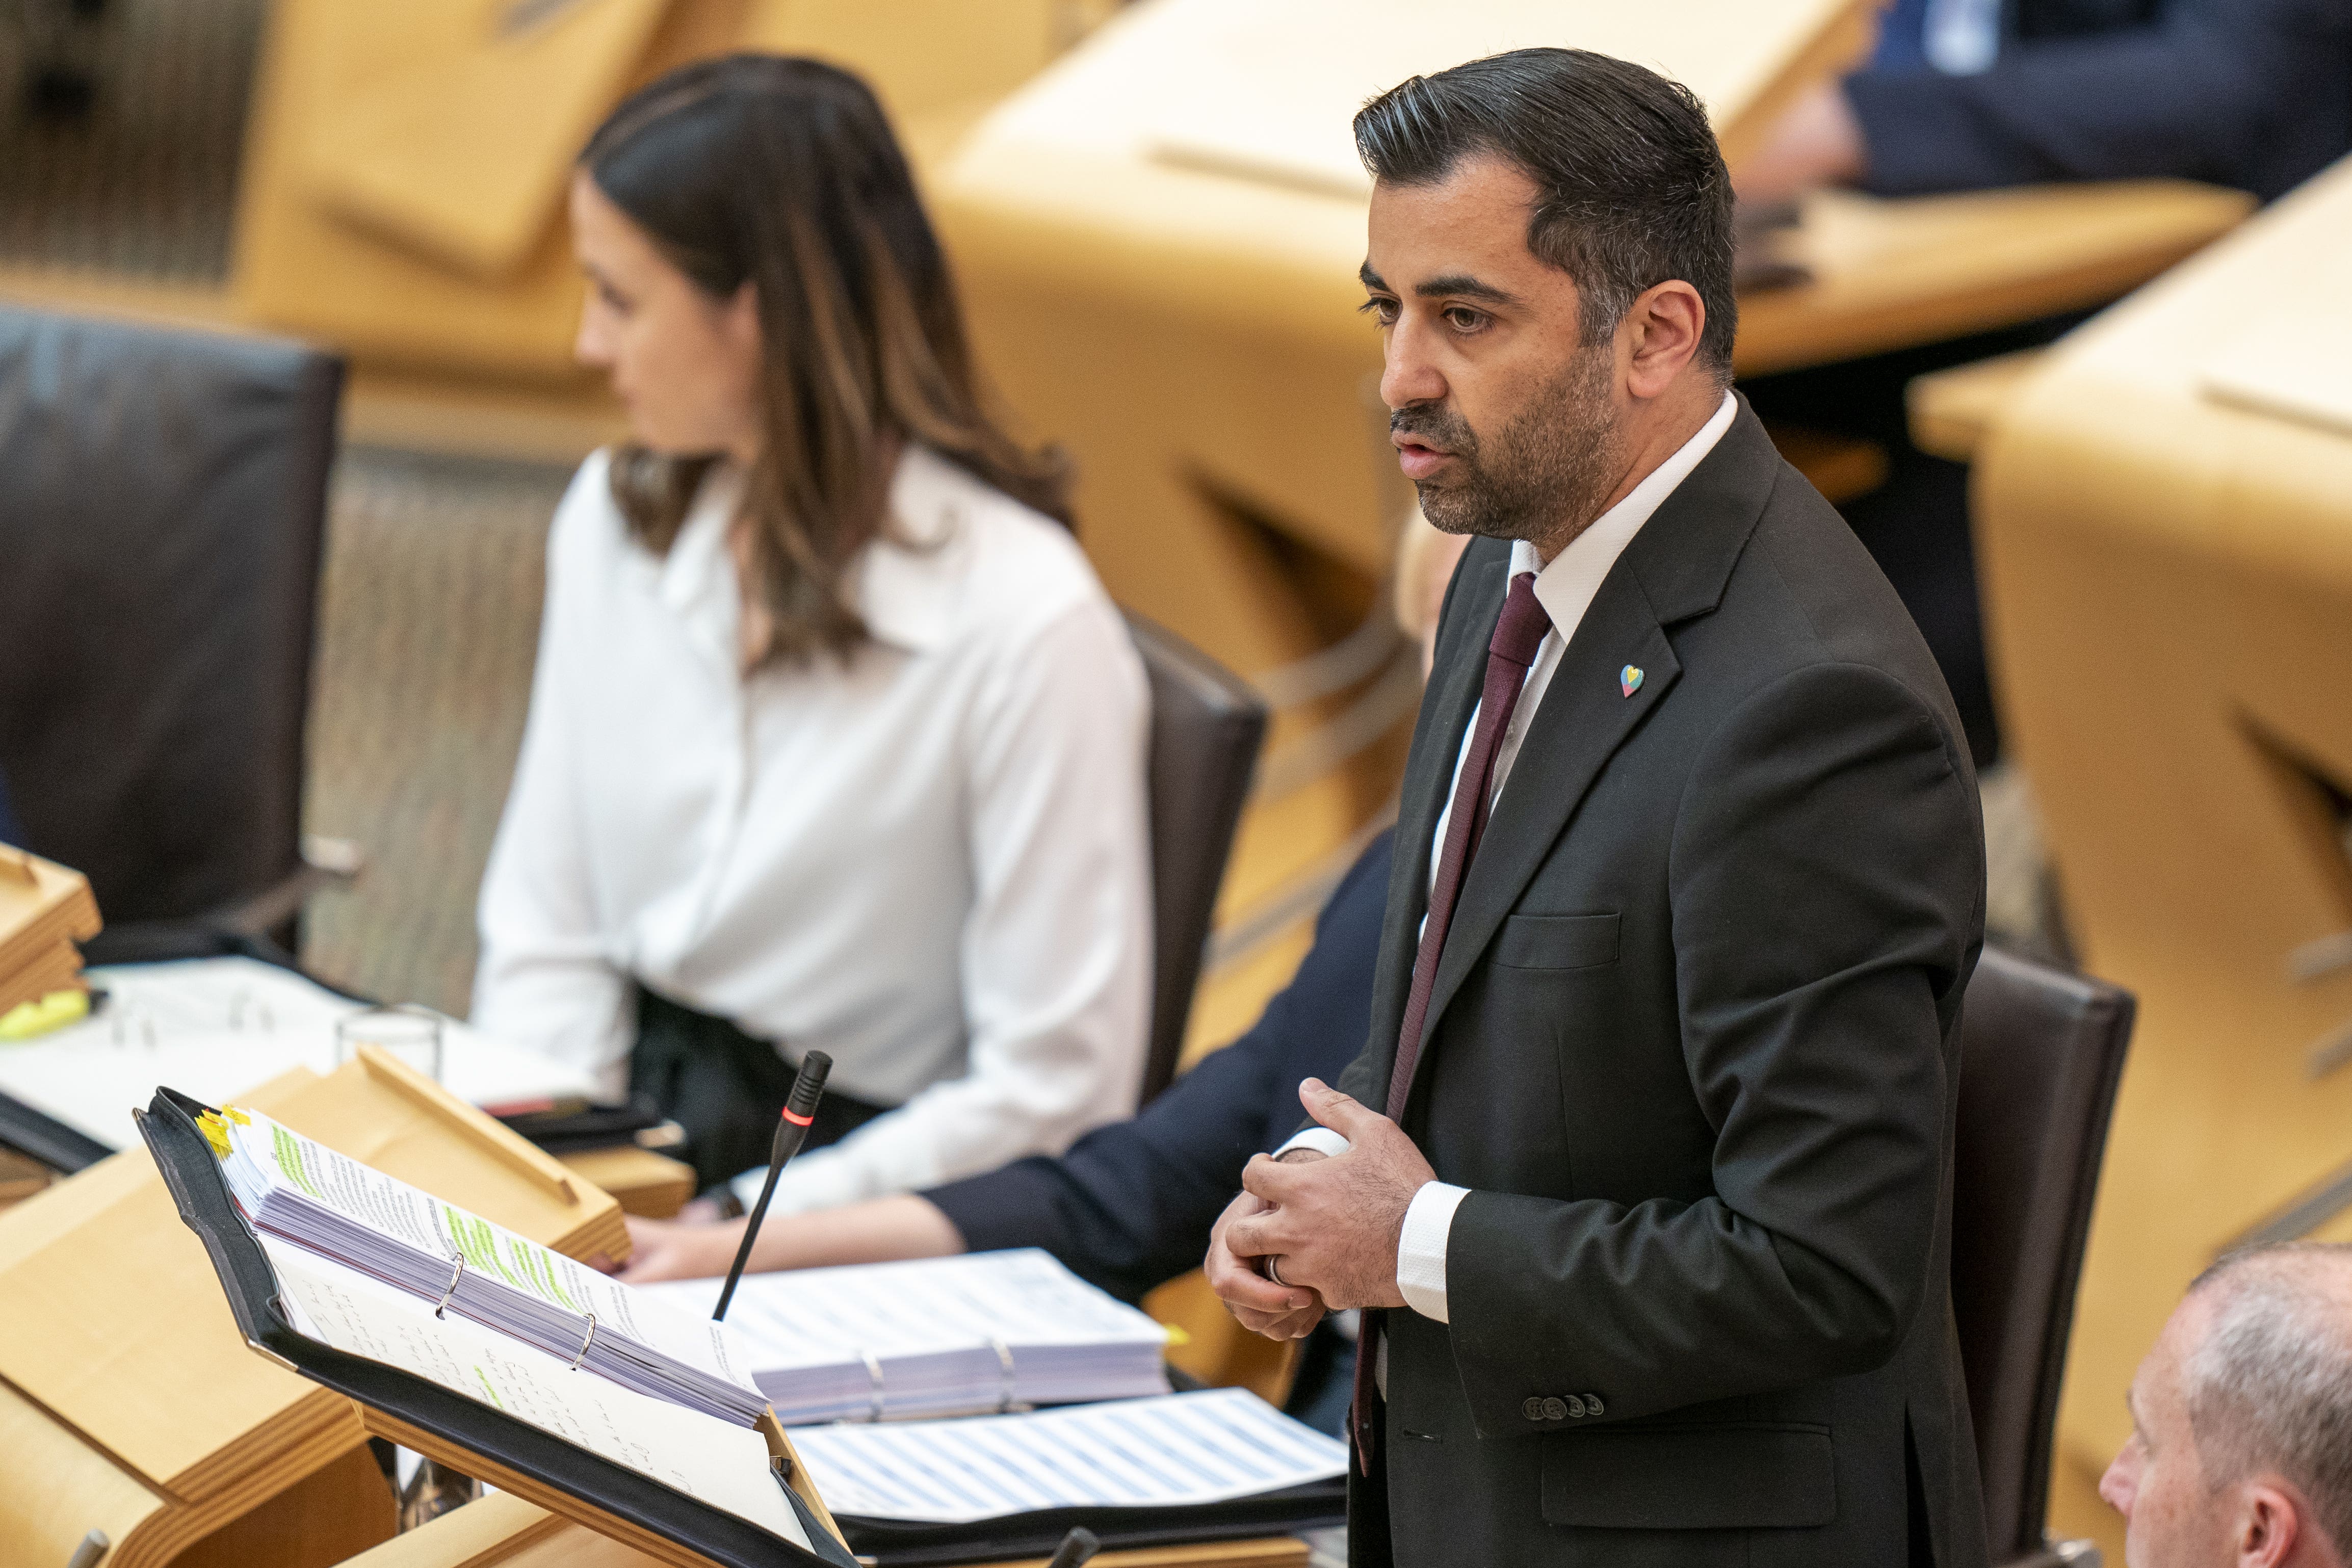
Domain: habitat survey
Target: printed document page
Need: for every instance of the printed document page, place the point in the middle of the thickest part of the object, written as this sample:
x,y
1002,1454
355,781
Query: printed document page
x,y
1170,1452
817,1317
382,1205
721,1464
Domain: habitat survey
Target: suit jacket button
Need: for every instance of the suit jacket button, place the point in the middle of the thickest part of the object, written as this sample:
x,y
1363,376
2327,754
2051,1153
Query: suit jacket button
x,y
1575,1408
1592,1405
1555,1409
1532,1409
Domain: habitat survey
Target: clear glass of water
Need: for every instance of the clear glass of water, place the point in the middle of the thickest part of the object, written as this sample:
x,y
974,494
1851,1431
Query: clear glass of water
x,y
407,1031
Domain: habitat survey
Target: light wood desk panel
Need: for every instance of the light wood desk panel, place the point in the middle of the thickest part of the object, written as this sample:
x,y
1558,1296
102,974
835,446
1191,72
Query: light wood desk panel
x,y
448,250
1158,242
1894,274
123,1368
508,1533
2168,584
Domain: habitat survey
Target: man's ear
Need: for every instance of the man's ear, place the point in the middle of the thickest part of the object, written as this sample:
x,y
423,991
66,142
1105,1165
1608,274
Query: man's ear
x,y
2268,1523
1661,331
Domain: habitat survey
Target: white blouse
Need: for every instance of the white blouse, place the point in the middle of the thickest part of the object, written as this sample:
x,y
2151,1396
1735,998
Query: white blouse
x,y
931,863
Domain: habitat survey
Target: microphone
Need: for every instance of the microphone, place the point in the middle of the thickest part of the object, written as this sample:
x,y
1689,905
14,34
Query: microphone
x,y
792,1131
1077,1548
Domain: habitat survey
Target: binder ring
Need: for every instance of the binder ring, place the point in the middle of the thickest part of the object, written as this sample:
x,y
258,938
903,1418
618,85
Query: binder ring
x,y
455,1275
1005,1371
872,1371
585,1343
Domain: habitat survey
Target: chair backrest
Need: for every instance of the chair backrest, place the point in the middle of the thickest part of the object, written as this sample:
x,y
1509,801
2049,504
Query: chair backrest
x,y
163,503
1206,727
2041,1052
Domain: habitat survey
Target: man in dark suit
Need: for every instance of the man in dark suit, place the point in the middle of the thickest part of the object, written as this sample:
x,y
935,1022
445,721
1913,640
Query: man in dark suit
x,y
1129,1206
1643,1173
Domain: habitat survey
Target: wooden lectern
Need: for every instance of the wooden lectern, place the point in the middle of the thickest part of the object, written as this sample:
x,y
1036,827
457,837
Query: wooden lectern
x,y
129,1403
2165,516
509,1532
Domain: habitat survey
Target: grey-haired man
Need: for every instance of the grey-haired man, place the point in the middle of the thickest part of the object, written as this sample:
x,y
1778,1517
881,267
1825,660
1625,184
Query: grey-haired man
x,y
2241,1453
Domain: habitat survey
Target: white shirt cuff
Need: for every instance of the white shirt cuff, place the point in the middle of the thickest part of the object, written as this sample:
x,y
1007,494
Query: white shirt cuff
x,y
1322,1140
1421,1249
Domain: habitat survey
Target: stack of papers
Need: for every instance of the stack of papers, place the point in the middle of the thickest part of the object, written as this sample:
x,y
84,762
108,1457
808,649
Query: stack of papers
x,y
302,1192
44,910
217,1028
994,1330
1177,1451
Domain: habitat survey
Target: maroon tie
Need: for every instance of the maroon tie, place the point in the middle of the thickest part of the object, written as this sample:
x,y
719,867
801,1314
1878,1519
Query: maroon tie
x,y
1510,653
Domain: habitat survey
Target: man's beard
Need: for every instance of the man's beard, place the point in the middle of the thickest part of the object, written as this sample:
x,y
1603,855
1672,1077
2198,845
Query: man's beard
x,y
1546,474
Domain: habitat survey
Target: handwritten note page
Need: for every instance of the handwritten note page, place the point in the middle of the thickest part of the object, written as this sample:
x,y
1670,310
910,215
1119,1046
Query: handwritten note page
x,y
721,1464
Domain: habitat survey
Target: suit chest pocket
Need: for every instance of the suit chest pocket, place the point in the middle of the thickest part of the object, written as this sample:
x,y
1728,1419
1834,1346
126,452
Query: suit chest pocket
x,y
1556,942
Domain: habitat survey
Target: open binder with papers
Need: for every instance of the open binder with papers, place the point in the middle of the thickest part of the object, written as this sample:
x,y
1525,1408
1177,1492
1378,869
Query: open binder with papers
x,y
752,1505
649,1447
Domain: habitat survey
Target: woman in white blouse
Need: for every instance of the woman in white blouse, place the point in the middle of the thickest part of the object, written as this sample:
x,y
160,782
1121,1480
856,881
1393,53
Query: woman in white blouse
x,y
836,742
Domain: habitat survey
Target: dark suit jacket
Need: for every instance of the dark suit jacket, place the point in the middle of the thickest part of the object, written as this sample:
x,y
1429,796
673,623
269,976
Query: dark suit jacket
x,y
1130,1206
1692,1043
2251,93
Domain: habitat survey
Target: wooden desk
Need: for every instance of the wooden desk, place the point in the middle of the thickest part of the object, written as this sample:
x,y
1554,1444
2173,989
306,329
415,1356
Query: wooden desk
x,y
1893,274
509,1532
393,204
1952,411
2169,582
641,1181
1158,240
128,1402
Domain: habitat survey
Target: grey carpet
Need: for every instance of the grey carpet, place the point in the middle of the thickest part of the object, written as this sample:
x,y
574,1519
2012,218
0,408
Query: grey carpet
x,y
143,183
428,626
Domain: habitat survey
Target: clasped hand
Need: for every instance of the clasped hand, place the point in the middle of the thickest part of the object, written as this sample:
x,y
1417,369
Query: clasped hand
x,y
1330,1225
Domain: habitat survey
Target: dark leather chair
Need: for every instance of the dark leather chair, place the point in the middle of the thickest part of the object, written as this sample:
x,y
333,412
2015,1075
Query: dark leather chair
x,y
162,506
1206,727
2041,1052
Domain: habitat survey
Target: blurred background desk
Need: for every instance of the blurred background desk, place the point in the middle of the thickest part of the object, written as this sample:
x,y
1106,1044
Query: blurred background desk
x,y
2164,511
1894,274
511,1533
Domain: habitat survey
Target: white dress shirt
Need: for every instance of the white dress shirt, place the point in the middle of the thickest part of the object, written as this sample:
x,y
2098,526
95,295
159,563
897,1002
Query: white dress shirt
x,y
930,861
1565,587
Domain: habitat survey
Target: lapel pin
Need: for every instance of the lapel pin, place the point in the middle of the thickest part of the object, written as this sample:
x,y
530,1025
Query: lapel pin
x,y
1629,679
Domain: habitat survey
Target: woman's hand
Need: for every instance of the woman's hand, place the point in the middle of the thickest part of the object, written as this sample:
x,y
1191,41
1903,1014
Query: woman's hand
x,y
668,1249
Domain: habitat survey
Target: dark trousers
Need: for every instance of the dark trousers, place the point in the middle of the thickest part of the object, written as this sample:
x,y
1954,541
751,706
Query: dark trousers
x,y
726,1089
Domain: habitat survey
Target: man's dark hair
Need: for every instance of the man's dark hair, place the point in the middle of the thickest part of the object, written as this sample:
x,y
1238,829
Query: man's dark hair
x,y
1630,187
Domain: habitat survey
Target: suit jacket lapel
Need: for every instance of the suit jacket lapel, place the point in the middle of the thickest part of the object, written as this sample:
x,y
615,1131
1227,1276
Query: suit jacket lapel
x,y
1445,712
1673,569
1585,717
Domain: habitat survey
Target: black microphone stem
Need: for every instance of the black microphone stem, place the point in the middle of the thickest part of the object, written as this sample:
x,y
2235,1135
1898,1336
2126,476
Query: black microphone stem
x,y
792,1130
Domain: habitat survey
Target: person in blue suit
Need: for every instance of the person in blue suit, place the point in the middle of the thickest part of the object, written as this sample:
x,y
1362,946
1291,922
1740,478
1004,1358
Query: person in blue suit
x,y
1130,1206
1967,95
1964,95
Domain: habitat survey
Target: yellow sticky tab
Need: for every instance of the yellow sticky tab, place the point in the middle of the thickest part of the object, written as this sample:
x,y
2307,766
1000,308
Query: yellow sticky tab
x,y
54,1011
242,1119
216,1132
1177,1338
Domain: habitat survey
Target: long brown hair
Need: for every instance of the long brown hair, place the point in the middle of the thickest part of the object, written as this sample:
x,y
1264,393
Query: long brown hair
x,y
783,173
